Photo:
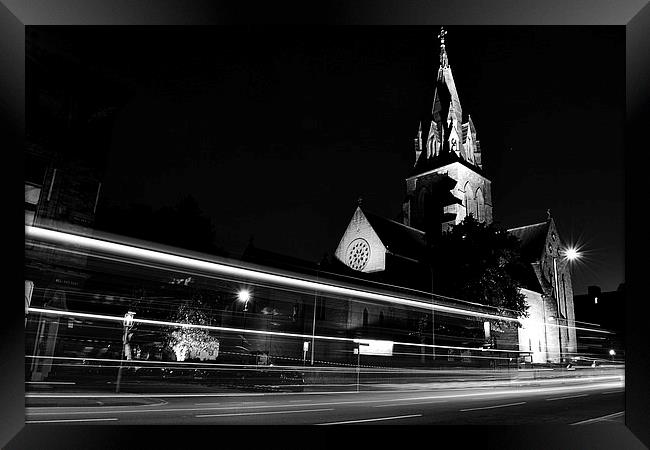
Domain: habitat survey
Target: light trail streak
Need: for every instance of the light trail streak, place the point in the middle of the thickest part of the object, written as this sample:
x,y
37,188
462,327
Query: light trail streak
x,y
411,404
539,391
223,269
56,312
564,398
221,366
263,413
370,420
567,380
600,419
70,420
492,407
128,251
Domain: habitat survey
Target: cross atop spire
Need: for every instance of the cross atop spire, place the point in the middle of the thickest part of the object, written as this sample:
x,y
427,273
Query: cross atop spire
x,y
443,52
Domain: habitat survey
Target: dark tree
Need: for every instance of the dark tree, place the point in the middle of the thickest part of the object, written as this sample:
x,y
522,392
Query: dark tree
x,y
476,262
184,225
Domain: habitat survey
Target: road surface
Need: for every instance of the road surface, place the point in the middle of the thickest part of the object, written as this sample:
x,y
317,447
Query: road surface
x,y
577,402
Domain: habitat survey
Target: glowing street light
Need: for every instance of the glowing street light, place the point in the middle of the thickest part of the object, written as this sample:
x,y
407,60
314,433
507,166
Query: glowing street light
x,y
244,296
612,352
127,322
572,254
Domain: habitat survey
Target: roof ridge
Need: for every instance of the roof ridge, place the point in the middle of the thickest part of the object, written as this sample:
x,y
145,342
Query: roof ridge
x,y
528,226
393,221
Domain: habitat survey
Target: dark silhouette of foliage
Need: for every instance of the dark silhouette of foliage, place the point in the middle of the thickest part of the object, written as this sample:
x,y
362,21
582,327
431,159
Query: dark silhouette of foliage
x,y
184,225
475,262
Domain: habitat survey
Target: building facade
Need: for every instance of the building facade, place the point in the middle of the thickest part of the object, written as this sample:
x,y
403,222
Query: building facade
x,y
446,184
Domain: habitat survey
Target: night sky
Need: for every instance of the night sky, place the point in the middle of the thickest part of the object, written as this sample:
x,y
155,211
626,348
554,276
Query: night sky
x,y
277,131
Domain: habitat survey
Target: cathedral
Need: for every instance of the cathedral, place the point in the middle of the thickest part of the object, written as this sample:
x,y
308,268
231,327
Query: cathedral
x,y
446,183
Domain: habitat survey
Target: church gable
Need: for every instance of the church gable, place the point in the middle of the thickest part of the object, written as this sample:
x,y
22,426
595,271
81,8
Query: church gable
x,y
360,247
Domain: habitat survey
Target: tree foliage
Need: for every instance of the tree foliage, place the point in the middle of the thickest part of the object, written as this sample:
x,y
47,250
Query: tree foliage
x,y
183,225
187,342
475,262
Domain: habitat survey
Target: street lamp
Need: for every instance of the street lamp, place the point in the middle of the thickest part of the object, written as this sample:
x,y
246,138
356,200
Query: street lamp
x,y
612,353
126,348
313,325
244,295
570,254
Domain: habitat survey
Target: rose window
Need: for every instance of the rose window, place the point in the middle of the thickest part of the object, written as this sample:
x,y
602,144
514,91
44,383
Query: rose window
x,y
358,254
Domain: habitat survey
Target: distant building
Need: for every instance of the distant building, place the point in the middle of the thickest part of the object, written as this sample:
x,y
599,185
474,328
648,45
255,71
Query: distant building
x,y
601,310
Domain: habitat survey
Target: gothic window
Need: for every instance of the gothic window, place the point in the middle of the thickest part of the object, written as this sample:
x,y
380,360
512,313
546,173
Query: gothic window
x,y
469,200
564,298
480,205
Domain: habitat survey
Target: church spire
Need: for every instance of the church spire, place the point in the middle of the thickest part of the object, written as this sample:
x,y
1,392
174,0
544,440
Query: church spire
x,y
444,63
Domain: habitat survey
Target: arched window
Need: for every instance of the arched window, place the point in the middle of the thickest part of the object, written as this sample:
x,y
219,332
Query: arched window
x,y
365,317
469,200
480,205
566,314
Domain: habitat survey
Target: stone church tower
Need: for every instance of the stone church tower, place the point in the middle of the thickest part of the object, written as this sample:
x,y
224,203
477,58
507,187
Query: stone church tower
x,y
447,182
445,185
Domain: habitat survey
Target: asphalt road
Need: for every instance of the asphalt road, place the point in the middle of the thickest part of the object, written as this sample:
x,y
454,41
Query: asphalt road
x,y
576,403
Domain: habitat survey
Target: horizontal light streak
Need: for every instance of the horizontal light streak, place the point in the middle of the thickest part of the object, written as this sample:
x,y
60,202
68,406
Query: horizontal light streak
x,y
57,312
599,419
264,413
223,269
410,404
568,380
71,420
493,407
537,390
564,398
93,409
371,420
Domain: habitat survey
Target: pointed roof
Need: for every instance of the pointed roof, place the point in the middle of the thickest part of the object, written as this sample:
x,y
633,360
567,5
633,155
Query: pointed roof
x,y
533,238
445,97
